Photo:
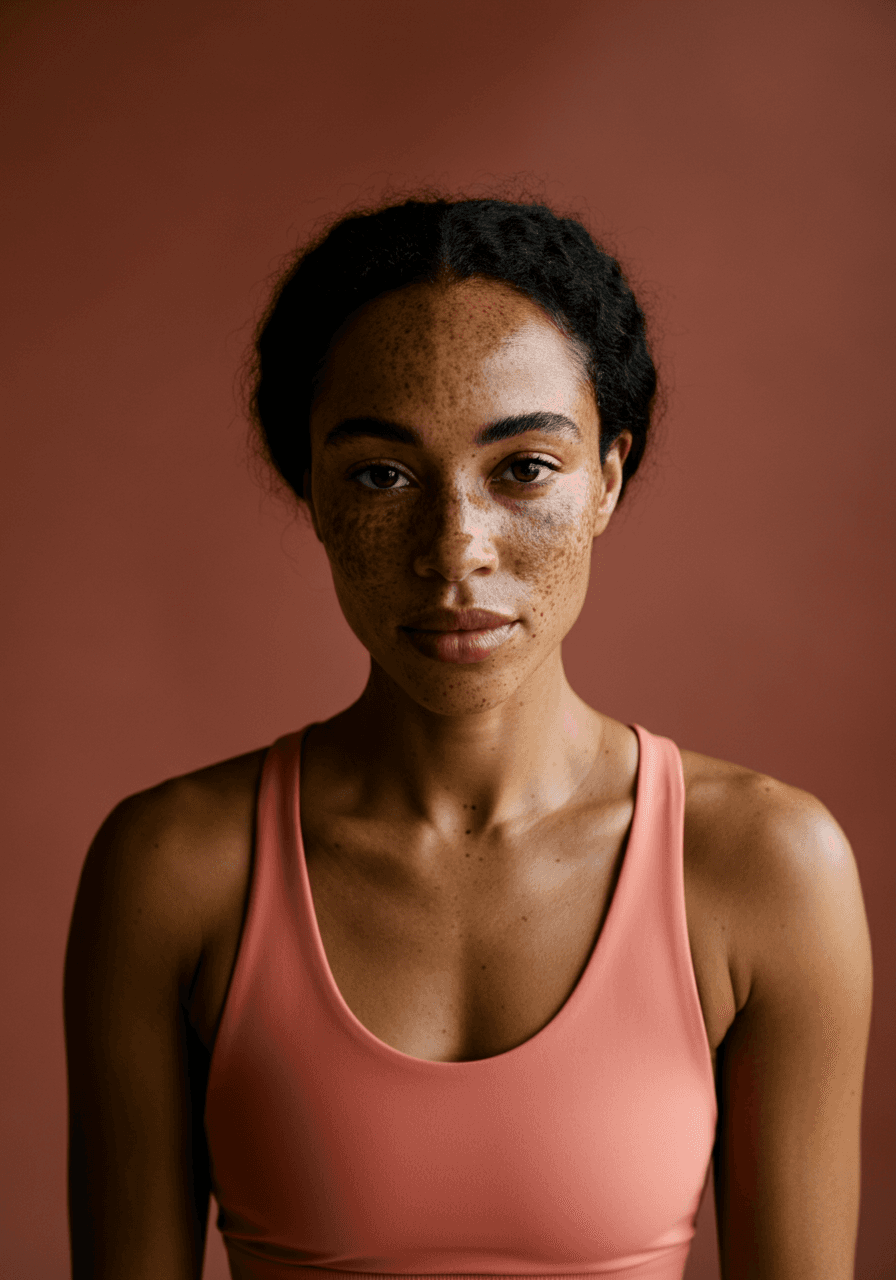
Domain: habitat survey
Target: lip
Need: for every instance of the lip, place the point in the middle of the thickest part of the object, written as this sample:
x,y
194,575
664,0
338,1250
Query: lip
x,y
442,620
459,635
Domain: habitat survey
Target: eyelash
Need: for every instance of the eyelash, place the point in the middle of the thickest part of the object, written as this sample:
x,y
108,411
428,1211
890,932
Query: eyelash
x,y
526,484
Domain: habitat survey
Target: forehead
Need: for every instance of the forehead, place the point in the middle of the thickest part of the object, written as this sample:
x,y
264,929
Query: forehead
x,y
476,345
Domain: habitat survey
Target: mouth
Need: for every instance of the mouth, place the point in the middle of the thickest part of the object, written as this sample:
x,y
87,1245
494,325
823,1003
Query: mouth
x,y
468,635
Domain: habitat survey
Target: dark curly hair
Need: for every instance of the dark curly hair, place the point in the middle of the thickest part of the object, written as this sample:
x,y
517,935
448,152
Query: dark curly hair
x,y
551,259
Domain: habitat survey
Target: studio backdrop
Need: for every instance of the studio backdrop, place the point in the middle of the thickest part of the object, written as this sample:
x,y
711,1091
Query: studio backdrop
x,y
163,611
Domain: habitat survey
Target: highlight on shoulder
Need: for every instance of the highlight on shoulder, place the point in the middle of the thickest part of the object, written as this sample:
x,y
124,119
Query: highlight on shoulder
x,y
776,860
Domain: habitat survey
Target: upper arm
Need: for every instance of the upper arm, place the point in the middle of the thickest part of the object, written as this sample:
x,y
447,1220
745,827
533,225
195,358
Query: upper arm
x,y
138,1182
791,1067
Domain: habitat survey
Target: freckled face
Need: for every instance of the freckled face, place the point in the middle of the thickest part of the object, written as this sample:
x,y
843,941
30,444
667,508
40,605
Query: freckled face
x,y
447,517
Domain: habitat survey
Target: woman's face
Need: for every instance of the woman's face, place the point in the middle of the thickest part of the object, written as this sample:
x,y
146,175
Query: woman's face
x,y
455,466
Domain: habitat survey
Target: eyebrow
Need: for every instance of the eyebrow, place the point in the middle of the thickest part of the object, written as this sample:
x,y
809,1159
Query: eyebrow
x,y
517,424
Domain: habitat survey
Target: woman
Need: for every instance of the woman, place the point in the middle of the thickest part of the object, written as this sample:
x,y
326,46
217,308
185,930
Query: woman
x,y
469,979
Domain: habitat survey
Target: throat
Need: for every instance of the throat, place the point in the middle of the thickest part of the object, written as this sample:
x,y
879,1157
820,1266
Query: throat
x,y
463,776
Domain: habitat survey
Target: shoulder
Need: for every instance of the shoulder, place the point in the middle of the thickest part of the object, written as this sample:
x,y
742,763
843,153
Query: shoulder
x,y
777,866
759,831
738,807
170,861
187,827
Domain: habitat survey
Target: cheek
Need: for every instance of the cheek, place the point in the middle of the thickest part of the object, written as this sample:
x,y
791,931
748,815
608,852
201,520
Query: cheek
x,y
550,549
367,550
350,539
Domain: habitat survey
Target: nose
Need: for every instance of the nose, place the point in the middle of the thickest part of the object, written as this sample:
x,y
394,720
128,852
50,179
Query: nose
x,y
455,540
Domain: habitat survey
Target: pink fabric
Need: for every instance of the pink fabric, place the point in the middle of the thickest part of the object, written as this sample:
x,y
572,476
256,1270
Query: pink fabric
x,y
583,1151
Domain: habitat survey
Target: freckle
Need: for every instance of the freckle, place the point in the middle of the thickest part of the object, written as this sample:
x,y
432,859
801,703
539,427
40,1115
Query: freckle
x,y
483,966
467,832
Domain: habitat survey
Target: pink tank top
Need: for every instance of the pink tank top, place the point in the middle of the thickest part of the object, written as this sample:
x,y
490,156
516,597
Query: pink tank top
x,y
582,1152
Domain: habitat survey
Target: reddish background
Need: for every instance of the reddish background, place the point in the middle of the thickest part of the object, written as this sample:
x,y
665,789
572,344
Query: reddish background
x,y
158,160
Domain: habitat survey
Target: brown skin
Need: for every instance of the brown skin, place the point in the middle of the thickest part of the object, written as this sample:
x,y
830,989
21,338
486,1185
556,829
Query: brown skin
x,y
464,827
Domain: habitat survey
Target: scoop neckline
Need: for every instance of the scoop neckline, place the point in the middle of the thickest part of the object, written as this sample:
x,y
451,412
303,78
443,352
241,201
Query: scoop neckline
x,y
362,1034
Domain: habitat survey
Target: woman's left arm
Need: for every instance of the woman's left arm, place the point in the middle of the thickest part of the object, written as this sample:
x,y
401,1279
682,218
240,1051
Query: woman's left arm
x,y
790,1070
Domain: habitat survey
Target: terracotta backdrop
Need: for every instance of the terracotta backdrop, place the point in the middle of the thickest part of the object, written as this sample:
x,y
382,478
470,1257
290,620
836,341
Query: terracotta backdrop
x,y
162,612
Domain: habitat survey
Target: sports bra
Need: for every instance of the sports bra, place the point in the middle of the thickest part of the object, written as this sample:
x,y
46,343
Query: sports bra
x,y
583,1151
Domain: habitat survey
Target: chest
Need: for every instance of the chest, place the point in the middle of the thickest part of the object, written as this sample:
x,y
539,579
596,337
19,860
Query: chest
x,y
458,950
463,952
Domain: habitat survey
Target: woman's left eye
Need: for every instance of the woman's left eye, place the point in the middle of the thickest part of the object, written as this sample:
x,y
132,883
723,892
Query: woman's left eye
x,y
530,471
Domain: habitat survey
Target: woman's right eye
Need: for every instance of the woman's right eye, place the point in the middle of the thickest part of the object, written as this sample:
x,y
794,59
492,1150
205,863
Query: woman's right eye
x,y
381,477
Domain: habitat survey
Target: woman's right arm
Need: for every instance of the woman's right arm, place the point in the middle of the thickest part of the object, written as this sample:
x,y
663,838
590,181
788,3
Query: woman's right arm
x,y
138,1168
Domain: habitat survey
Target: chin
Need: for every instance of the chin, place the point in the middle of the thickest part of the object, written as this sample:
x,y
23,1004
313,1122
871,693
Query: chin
x,y
458,702
451,689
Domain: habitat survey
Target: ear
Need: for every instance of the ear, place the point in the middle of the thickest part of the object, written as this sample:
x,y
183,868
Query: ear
x,y
309,503
612,481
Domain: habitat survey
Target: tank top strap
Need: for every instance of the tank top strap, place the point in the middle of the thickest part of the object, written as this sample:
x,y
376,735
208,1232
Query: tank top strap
x,y
273,889
649,943
657,833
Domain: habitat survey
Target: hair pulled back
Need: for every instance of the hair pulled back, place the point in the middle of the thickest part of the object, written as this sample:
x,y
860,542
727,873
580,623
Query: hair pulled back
x,y
551,259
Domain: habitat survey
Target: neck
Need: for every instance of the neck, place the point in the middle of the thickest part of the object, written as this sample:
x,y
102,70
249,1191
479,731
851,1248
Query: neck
x,y
524,758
